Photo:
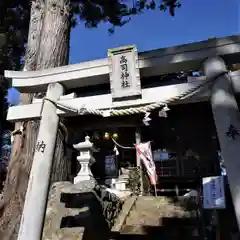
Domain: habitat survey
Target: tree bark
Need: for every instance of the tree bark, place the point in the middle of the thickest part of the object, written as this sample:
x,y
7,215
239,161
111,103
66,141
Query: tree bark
x,y
48,46
54,52
54,46
20,162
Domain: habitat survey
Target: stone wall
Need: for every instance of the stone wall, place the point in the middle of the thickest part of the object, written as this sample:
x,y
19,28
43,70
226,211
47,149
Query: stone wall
x,y
111,205
80,211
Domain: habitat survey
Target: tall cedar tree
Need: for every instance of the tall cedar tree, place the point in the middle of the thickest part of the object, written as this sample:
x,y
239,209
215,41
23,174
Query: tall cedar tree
x,y
50,22
13,32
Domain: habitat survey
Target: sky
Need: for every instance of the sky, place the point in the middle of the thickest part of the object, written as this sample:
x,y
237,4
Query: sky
x,y
196,20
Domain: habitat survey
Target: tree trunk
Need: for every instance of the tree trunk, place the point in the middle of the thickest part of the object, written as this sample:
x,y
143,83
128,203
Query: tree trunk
x,y
54,52
20,163
48,46
54,46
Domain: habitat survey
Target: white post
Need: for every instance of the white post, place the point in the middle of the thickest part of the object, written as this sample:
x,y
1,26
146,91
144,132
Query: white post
x,y
37,192
227,121
85,159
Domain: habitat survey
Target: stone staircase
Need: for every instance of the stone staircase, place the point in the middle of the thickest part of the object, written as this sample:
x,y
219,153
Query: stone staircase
x,y
159,218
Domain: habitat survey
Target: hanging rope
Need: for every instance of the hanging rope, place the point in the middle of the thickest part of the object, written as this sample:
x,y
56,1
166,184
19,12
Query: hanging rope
x,y
132,110
135,110
121,146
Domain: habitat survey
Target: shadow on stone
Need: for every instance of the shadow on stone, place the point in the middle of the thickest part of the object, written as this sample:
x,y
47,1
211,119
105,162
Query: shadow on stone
x,y
80,211
90,216
169,228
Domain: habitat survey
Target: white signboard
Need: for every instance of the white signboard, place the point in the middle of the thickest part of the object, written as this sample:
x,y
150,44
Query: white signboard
x,y
213,192
159,155
124,72
110,165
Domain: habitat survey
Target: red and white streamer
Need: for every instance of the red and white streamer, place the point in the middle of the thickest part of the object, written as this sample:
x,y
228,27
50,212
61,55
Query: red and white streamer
x,y
145,153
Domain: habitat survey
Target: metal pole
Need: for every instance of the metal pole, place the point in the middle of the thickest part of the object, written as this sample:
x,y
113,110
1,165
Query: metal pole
x,y
37,192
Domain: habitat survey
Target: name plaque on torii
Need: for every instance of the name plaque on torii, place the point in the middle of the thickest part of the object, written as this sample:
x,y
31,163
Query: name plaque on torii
x,y
124,72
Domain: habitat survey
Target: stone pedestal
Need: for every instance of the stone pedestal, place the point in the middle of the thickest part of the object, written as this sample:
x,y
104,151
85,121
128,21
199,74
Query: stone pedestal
x,y
74,212
85,159
120,184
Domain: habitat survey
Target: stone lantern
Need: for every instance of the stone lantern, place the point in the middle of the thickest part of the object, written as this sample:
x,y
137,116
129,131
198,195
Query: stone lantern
x,y
85,159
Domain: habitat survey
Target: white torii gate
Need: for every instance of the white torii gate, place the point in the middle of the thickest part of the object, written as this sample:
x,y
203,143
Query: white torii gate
x,y
156,62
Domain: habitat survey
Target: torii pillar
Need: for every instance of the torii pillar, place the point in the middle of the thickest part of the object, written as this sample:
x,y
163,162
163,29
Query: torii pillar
x,y
37,192
227,120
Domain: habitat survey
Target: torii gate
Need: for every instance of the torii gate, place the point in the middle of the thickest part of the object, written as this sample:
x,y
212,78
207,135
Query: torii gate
x,y
181,58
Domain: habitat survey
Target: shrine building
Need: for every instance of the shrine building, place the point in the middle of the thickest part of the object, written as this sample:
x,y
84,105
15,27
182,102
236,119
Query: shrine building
x,y
165,96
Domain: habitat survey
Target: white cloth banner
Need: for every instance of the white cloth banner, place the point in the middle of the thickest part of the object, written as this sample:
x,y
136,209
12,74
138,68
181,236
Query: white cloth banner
x,y
145,153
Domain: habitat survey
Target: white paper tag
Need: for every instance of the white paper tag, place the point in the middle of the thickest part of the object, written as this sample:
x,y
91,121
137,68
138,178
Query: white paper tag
x,y
162,114
107,113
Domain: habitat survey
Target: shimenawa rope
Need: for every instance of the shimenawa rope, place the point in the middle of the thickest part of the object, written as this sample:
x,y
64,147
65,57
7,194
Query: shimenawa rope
x,y
131,110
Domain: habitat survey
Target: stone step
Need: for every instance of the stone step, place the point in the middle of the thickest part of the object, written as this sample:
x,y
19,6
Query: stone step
x,y
151,208
143,237
141,229
160,232
152,220
160,217
152,237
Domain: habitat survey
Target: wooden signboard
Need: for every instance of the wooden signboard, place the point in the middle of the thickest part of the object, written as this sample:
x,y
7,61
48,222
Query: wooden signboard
x,y
124,72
